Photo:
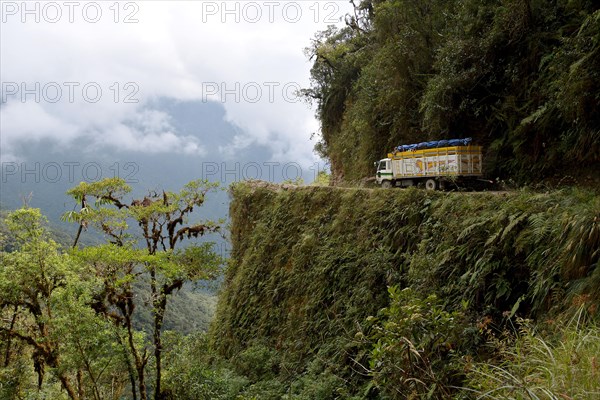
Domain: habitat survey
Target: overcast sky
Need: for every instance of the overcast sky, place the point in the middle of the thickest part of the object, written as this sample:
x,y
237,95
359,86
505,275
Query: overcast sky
x,y
87,70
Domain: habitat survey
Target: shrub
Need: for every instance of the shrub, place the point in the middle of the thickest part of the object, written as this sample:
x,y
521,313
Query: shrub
x,y
536,366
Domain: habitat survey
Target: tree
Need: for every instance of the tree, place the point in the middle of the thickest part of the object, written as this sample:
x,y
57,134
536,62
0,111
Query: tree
x,y
518,76
150,254
45,310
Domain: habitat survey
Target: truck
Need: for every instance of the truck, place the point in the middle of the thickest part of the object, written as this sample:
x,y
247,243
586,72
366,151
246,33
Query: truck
x,y
434,164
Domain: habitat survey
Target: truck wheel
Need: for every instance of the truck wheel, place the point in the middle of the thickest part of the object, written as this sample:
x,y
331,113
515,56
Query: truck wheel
x,y
386,184
431,184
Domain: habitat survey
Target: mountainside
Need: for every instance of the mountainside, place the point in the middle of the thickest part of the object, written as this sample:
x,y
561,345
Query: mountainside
x,y
519,76
325,282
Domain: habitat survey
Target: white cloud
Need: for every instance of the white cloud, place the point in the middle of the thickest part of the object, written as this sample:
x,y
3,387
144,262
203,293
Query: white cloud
x,y
30,121
178,49
130,139
131,129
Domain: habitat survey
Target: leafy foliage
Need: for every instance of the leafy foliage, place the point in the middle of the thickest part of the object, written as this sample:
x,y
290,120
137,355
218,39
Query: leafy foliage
x,y
519,76
71,318
153,257
189,374
46,316
414,346
437,271
536,366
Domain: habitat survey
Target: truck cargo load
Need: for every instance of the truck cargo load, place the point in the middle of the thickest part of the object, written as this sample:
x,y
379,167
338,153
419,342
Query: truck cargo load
x,y
432,163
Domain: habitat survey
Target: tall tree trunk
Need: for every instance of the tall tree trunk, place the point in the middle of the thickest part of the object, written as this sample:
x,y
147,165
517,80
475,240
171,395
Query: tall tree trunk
x,y
9,338
80,388
141,381
140,360
140,365
66,384
80,225
130,368
160,307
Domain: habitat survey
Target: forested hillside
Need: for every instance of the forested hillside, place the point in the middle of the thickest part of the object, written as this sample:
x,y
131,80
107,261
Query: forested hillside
x,y
330,293
97,321
519,76
335,293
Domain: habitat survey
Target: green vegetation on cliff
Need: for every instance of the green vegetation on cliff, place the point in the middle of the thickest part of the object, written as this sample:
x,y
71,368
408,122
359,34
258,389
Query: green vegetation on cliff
x,y
519,76
333,293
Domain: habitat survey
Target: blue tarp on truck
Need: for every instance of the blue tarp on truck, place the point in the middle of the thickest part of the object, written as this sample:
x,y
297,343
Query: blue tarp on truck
x,y
434,144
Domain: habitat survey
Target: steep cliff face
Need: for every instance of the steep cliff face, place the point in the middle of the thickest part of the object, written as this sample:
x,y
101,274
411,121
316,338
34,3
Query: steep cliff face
x,y
310,265
520,77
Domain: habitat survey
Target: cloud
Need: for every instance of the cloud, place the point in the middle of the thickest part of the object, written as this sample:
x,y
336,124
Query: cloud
x,y
141,130
150,131
128,139
177,50
30,121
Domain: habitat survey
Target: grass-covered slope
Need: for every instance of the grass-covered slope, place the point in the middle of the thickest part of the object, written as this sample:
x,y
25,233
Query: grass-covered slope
x,y
310,265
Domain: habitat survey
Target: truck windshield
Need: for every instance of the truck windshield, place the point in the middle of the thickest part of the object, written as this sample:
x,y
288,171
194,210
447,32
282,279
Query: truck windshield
x,y
382,166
